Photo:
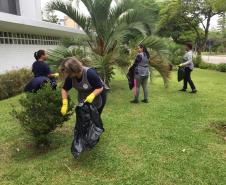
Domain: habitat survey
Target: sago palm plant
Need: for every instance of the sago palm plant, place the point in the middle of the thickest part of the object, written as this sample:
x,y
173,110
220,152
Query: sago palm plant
x,y
106,27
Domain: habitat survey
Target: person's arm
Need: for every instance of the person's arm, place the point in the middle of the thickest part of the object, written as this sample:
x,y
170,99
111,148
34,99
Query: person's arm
x,y
49,73
96,84
97,92
137,60
64,93
189,61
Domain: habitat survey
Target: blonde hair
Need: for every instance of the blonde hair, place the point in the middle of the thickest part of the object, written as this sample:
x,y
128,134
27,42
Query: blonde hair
x,y
71,66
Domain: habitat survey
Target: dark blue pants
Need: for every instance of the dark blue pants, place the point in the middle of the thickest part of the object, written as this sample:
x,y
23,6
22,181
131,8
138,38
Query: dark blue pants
x,y
187,79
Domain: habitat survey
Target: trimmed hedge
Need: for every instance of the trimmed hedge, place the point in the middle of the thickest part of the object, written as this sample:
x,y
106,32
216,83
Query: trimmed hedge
x,y
198,62
13,82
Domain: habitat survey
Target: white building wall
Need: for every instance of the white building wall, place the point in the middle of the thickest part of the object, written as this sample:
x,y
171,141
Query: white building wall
x,y
18,56
31,9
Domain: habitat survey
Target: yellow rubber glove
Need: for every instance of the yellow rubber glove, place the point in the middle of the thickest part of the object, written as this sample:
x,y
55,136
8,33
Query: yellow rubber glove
x,y
64,107
180,65
56,75
90,98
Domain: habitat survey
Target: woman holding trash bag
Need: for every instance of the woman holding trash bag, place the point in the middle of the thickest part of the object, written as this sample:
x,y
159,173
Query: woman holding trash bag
x,y
142,72
189,66
86,81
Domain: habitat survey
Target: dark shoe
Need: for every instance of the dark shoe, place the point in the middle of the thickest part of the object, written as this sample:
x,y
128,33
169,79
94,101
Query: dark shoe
x,y
194,91
145,101
183,90
134,101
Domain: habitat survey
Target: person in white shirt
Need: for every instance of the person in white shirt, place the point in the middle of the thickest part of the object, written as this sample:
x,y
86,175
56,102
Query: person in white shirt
x,y
189,66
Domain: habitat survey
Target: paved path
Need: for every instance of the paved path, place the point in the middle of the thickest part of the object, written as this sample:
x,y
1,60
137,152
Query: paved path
x,y
215,59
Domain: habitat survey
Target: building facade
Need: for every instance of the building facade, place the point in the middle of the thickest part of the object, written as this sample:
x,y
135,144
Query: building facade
x,y
22,32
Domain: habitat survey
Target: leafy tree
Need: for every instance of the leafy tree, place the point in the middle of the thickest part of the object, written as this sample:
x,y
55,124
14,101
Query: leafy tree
x,y
193,13
50,16
222,24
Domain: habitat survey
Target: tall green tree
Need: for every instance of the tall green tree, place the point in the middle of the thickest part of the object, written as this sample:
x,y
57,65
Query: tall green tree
x,y
193,13
222,24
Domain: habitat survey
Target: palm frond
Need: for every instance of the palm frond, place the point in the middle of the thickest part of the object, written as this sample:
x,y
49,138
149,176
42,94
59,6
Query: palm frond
x,y
72,12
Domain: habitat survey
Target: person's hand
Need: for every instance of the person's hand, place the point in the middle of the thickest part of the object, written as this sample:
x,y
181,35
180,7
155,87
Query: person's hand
x,y
56,75
90,98
180,65
64,107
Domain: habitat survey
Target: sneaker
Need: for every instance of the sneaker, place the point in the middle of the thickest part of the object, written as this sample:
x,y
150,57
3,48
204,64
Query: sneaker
x,y
183,90
145,101
134,101
194,91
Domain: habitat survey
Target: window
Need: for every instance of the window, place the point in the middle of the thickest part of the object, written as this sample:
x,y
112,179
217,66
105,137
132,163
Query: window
x,y
23,38
10,6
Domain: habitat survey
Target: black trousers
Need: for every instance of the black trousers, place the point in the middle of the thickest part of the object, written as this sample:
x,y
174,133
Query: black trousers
x,y
187,79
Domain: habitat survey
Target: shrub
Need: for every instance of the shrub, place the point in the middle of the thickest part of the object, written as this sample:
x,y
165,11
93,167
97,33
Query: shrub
x,y
40,113
197,60
13,82
221,67
176,53
204,65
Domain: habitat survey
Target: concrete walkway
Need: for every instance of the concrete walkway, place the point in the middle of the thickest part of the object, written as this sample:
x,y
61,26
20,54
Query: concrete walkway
x,y
219,59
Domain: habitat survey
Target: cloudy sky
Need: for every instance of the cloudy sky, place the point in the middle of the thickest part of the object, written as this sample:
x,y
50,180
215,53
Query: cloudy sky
x,y
61,16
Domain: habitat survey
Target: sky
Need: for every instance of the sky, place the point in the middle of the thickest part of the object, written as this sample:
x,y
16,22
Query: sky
x,y
213,24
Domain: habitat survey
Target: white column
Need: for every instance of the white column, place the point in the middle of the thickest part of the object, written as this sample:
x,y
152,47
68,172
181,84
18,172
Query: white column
x,y
31,9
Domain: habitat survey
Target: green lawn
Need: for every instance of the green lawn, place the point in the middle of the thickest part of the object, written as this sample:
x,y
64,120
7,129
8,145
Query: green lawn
x,y
171,140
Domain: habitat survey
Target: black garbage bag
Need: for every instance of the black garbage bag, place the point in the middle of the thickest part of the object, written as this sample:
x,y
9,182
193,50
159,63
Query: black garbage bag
x,y
130,76
180,73
87,131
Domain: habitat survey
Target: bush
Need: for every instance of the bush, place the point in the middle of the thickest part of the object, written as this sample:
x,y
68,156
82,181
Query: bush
x,y
204,65
221,67
40,113
13,82
176,53
197,60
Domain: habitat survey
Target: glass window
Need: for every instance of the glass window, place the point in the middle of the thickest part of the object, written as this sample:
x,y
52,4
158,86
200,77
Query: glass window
x,y
6,41
2,41
10,41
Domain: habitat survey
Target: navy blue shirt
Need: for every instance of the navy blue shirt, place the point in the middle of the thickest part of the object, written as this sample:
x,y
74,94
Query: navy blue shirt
x,y
40,68
92,77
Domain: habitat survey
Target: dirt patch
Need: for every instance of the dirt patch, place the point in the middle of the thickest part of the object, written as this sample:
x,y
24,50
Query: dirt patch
x,y
220,128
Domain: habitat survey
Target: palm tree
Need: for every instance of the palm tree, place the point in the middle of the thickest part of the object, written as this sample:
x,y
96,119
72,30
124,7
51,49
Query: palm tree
x,y
108,29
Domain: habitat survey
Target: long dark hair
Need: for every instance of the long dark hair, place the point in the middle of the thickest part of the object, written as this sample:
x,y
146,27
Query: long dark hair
x,y
39,53
145,50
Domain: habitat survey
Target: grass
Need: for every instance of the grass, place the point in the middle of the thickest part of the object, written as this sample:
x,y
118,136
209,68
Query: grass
x,y
171,140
